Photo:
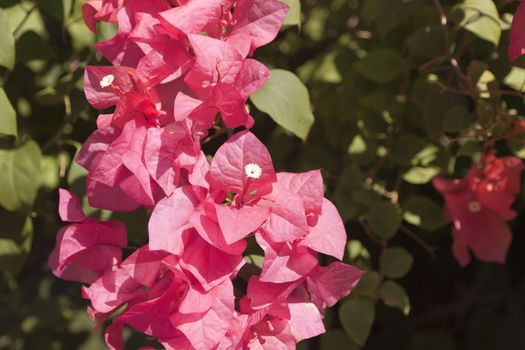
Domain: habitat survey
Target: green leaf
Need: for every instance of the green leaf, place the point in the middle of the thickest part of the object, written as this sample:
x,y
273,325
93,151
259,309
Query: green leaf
x,y
395,262
285,98
516,79
384,219
437,105
368,284
7,116
427,41
457,119
19,176
423,212
294,13
391,13
420,175
50,178
7,43
380,65
16,236
410,149
394,295
481,17
357,317
357,254
337,340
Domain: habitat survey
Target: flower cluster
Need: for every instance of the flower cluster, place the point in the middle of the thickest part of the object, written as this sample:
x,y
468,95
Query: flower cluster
x,y
479,206
177,66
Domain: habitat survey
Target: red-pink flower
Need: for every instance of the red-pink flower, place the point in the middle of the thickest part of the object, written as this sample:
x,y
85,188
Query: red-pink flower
x,y
479,206
517,34
88,248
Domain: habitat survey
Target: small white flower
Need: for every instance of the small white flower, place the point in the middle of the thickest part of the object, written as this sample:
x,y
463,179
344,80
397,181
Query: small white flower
x,y
253,170
107,80
474,207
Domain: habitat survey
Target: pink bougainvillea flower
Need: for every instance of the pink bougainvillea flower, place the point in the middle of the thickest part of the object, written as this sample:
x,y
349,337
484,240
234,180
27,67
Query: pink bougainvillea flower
x,y
100,10
178,65
105,86
475,227
285,262
88,248
255,23
517,38
496,182
328,235
118,179
171,218
328,284
243,165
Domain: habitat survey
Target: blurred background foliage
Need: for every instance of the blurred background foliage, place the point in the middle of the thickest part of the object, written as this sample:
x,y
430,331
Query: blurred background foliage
x,y
401,90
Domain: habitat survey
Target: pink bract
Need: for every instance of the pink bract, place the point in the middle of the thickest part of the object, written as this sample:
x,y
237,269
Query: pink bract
x,y
181,76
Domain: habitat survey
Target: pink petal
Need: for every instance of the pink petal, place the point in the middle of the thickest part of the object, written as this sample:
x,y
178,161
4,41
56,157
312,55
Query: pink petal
x,y
237,223
104,97
112,290
517,39
227,172
329,235
258,22
287,221
170,219
305,321
209,265
144,265
285,262
308,185
69,207
215,62
329,284
205,330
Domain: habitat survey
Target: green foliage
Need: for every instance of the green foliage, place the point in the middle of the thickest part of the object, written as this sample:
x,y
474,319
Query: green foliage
x,y
481,17
7,43
286,100
7,116
294,13
19,176
394,295
380,66
357,317
423,212
395,262
384,219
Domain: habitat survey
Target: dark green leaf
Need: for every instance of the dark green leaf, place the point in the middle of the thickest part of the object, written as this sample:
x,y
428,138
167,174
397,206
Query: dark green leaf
x,y
357,317
337,340
394,295
395,262
380,65
423,212
384,219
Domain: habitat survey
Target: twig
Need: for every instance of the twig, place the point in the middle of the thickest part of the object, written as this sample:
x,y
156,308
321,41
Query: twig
x,y
24,20
419,241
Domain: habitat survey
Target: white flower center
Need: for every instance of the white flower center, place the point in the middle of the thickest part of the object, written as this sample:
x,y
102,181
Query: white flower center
x,y
107,80
474,207
253,170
